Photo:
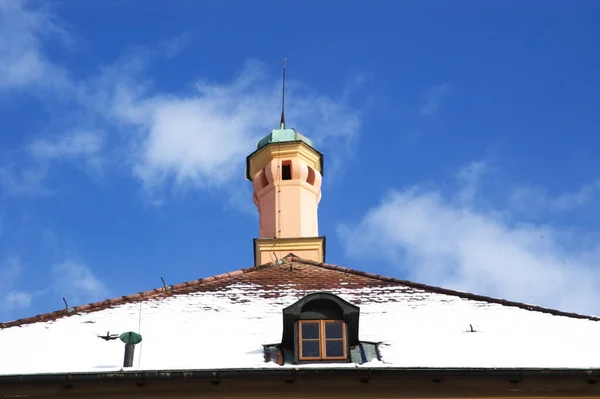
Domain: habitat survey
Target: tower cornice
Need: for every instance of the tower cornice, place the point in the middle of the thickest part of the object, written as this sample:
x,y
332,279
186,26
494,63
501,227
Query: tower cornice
x,y
261,157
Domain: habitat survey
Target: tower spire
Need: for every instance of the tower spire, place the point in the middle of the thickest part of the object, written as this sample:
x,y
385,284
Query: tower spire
x,y
282,121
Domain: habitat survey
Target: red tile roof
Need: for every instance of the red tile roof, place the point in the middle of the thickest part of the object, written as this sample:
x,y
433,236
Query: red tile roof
x,y
295,272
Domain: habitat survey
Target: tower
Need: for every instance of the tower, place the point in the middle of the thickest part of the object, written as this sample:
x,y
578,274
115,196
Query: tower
x,y
286,171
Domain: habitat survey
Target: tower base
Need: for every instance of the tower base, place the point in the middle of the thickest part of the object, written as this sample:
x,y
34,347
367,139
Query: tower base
x,y
271,249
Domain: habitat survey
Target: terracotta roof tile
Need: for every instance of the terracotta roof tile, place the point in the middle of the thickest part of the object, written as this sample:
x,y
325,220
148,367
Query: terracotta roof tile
x,y
301,274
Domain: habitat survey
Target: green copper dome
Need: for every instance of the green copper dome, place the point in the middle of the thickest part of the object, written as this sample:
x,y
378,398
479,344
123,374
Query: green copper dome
x,y
281,136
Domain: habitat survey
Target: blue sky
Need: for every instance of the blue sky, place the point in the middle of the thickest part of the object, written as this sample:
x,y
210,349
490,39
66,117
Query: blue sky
x,y
460,142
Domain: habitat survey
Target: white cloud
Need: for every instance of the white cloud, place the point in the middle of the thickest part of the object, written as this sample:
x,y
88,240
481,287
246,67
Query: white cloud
x,y
438,240
76,282
203,138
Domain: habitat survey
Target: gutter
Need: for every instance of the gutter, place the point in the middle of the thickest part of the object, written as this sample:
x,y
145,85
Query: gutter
x,y
363,374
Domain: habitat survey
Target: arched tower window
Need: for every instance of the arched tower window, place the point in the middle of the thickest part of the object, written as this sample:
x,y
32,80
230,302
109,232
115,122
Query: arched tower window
x,y
310,178
286,170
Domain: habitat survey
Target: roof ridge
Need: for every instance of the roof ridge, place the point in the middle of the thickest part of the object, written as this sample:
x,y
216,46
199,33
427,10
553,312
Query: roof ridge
x,y
184,287
440,290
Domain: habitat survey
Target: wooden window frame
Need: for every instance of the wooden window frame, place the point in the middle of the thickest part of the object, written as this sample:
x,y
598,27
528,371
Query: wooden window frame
x,y
322,340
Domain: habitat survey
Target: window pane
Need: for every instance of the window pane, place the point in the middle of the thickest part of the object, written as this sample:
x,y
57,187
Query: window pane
x,y
334,348
334,329
311,349
310,330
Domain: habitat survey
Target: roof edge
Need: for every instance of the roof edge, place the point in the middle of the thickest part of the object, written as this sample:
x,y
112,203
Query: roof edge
x,y
140,296
446,291
511,374
187,286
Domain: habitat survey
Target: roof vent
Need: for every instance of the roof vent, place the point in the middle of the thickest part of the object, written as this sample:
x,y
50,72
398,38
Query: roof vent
x,y
130,339
165,285
67,307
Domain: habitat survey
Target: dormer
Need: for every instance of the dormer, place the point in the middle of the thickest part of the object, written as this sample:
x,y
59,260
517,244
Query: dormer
x,y
321,328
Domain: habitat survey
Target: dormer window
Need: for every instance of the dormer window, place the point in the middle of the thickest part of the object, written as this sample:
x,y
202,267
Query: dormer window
x,y
321,328
322,340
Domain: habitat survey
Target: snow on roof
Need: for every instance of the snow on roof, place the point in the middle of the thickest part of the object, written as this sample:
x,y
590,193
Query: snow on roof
x,y
223,323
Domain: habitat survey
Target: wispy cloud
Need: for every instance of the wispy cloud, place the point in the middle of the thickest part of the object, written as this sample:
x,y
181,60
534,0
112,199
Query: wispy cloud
x,y
433,99
70,279
10,269
75,281
197,139
437,239
468,178
16,180
25,67
536,200
22,60
76,145
17,300
174,46
10,299
71,145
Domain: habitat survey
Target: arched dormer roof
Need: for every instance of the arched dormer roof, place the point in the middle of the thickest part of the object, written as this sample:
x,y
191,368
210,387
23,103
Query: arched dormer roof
x,y
320,305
